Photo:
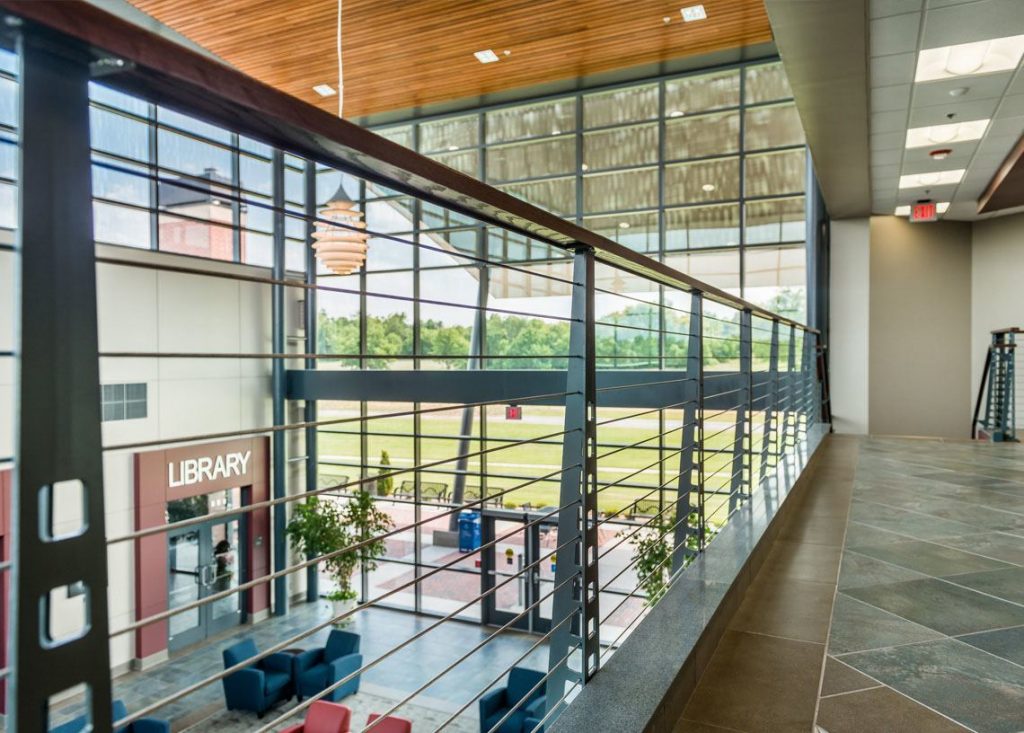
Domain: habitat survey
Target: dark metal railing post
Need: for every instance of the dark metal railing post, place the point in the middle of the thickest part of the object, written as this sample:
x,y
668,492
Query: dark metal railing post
x,y
741,436
770,429
278,447
58,435
686,486
310,323
577,517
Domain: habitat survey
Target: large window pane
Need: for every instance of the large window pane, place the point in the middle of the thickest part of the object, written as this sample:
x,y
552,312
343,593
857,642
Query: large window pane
x,y
778,220
766,83
193,156
464,161
775,126
117,134
450,134
769,174
401,135
721,269
556,195
691,94
531,120
631,104
639,231
621,190
620,147
531,160
706,180
702,226
696,137
776,279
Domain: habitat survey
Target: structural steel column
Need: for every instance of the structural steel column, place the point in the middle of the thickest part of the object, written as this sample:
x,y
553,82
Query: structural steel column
x,y
577,517
684,505
310,315
279,450
58,404
741,436
770,429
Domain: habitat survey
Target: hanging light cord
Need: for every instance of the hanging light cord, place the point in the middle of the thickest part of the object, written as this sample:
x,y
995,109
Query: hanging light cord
x,y
341,75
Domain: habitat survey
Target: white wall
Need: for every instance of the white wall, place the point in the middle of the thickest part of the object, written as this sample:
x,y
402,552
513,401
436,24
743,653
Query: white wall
x,y
997,275
849,315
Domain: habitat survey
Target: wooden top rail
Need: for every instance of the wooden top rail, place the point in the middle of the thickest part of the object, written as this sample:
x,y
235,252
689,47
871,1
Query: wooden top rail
x,y
148,65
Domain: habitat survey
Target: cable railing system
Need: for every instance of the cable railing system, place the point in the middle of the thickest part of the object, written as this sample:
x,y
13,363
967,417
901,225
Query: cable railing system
x,y
656,406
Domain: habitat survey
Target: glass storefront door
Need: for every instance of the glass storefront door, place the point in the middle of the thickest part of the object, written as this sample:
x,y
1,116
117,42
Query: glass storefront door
x,y
517,572
203,560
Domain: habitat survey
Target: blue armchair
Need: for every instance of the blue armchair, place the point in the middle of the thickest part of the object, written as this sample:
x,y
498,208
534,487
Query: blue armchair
x,y
317,669
120,711
259,686
496,703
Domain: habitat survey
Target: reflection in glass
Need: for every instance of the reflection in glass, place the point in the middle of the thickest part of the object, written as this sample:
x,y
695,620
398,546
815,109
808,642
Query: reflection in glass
x,y
621,190
702,226
618,106
776,278
621,146
401,135
778,220
702,135
774,126
721,269
705,180
775,173
766,83
639,232
532,159
557,195
699,93
464,161
449,134
531,120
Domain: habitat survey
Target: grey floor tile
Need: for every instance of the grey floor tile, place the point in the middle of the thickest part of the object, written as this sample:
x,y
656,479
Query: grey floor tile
x,y
1007,584
931,559
859,534
857,626
1005,643
859,570
911,524
974,688
941,606
881,709
997,545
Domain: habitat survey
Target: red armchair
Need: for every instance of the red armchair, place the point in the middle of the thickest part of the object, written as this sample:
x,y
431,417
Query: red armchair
x,y
324,717
390,724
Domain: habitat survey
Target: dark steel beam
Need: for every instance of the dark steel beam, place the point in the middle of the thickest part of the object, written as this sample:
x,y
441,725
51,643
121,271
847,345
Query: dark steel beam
x,y
278,447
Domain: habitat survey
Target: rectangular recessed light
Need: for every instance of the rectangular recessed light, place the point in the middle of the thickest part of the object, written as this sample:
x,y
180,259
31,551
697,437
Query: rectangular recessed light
x,y
905,210
968,59
486,56
957,132
934,178
324,90
693,12
942,206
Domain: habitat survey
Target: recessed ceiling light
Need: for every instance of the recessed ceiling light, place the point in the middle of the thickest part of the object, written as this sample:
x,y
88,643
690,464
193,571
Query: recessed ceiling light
x,y
935,178
966,59
940,154
708,187
585,167
959,91
693,12
667,19
921,137
902,211
507,52
324,90
452,148
941,207
675,113
486,56
623,225
556,131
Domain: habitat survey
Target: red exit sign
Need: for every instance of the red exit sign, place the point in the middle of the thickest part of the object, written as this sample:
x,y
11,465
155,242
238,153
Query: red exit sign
x,y
513,412
923,212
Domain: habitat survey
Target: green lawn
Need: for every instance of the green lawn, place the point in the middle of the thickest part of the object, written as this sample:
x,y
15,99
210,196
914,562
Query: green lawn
x,y
537,459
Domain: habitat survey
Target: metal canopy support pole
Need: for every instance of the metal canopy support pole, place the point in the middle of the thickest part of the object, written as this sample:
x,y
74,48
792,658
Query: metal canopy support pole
x,y
771,419
577,517
279,452
741,437
788,424
58,403
310,316
684,504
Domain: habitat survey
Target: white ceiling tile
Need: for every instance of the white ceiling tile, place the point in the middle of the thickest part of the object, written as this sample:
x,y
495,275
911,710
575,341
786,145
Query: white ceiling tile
x,y
968,22
1017,85
888,141
1012,106
890,99
887,157
896,69
1008,127
888,122
961,210
987,86
885,173
881,8
978,109
945,3
895,34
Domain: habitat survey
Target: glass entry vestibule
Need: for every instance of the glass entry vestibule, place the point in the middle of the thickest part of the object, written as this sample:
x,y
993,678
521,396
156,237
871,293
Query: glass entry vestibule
x,y
203,560
518,572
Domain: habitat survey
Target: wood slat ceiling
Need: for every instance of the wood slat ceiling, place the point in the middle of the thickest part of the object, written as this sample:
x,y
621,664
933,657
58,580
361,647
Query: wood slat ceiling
x,y
403,55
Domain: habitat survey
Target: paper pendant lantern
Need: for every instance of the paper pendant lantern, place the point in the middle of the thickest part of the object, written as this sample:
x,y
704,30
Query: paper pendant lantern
x,y
342,249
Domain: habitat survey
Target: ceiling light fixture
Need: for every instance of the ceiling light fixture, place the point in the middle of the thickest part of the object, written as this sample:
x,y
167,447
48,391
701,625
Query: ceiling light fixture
x,y
967,59
959,91
902,211
341,246
452,148
585,167
940,154
941,207
708,187
324,90
693,12
487,56
667,19
935,178
507,52
957,132
623,225
675,113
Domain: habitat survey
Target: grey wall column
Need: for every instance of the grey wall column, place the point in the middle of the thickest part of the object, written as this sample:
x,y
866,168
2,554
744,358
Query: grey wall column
x,y
741,437
771,419
310,316
58,439
577,517
684,499
279,450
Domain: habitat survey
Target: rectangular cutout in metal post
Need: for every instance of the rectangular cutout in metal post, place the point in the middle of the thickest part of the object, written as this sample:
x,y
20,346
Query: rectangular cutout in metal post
x,y
771,418
686,486
741,436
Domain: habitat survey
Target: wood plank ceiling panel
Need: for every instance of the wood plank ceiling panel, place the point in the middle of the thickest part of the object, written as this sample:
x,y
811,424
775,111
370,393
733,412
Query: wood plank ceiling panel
x,y
401,55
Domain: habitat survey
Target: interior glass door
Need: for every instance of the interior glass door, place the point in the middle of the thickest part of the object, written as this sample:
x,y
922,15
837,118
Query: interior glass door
x,y
184,571
514,577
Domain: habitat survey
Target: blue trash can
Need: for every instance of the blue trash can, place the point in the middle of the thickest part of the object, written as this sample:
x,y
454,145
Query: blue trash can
x,y
469,531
